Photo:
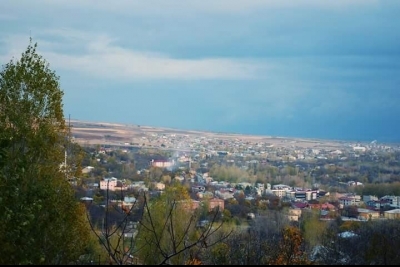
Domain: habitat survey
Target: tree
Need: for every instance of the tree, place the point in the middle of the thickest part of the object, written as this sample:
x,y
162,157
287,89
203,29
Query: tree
x,y
332,247
40,222
168,232
380,240
291,248
255,244
312,228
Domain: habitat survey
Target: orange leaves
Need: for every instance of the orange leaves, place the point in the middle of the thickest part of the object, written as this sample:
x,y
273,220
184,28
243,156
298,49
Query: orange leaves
x,y
291,248
193,261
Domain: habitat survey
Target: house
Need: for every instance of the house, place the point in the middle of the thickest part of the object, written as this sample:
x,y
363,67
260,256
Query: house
x,y
350,200
198,188
322,194
127,204
299,205
354,183
392,214
159,186
281,187
225,194
280,190
87,169
373,204
189,204
393,201
86,199
108,183
347,201
359,148
302,194
294,214
367,214
369,198
322,206
162,163
138,185
216,202
131,230
112,184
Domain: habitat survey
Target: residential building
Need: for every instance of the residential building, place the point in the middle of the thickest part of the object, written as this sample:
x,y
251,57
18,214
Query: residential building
x,y
350,200
393,201
162,163
216,202
112,184
367,214
392,214
108,183
159,186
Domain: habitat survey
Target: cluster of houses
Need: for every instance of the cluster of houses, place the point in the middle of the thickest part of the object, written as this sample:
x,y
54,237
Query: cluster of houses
x,y
113,184
276,149
369,207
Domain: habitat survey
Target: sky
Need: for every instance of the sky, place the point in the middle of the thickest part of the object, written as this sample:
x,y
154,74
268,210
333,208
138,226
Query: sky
x,y
306,68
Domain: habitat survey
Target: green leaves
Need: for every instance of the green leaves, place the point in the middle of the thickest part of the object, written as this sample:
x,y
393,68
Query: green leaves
x,y
37,204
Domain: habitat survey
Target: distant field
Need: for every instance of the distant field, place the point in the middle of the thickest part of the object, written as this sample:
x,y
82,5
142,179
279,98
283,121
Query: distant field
x,y
112,133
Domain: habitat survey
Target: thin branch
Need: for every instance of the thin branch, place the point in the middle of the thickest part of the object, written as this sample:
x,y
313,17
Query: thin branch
x,y
203,237
152,229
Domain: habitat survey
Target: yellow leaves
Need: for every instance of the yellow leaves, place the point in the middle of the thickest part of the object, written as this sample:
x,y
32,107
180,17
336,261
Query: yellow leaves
x,y
176,192
349,226
313,229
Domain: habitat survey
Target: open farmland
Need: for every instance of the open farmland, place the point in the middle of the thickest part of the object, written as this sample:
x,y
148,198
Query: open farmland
x,y
124,134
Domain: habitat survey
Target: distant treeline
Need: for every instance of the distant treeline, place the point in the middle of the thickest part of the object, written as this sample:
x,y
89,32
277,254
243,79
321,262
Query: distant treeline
x,y
379,190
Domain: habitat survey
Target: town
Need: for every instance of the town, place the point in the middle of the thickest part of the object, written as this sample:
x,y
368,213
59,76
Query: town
x,y
245,179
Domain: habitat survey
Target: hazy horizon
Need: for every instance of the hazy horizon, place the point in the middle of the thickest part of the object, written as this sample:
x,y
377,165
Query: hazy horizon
x,y
305,69
234,133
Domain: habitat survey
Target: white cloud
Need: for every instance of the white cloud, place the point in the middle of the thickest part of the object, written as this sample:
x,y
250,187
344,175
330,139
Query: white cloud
x,y
100,56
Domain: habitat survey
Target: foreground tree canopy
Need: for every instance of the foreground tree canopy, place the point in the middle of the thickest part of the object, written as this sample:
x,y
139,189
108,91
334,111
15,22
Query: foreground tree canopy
x,y
40,222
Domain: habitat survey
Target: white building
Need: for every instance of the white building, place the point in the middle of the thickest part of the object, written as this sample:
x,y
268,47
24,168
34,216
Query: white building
x,y
393,201
359,148
108,183
350,200
112,184
162,163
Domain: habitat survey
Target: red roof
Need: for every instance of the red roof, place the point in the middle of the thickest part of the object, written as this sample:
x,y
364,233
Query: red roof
x,y
300,205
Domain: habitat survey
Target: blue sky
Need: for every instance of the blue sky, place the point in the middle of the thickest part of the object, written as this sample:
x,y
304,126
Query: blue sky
x,y
304,68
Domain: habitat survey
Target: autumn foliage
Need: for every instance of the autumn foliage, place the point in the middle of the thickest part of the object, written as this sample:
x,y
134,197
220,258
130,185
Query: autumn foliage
x,y
291,248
